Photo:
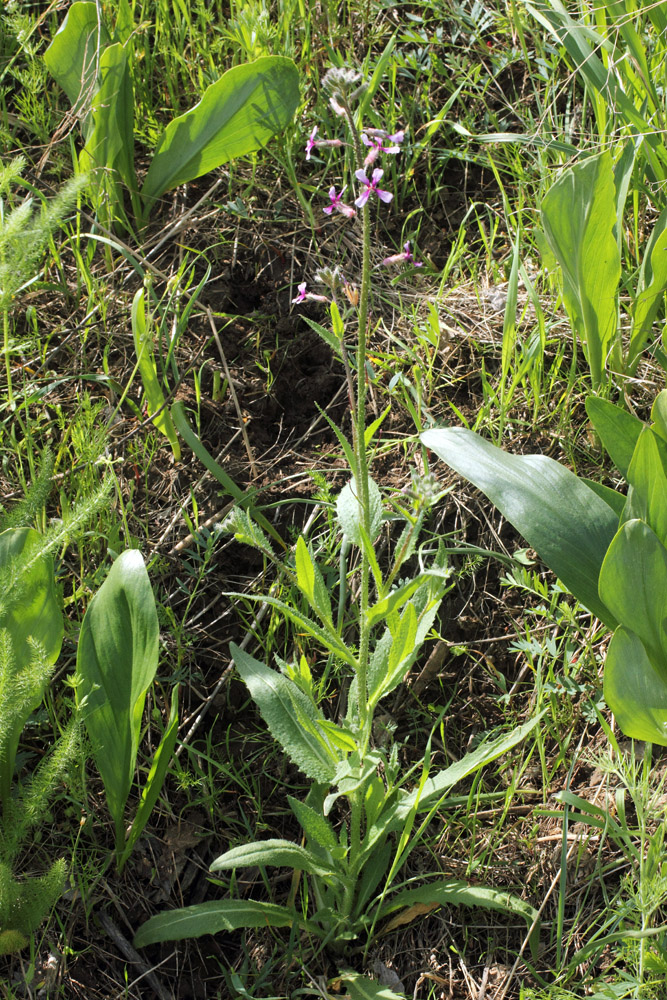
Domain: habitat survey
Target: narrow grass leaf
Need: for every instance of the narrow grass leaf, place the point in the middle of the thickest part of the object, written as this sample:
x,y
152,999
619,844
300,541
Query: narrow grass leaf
x,y
143,346
154,781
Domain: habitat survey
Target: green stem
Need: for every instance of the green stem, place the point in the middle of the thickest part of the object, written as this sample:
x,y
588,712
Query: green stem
x,y
359,427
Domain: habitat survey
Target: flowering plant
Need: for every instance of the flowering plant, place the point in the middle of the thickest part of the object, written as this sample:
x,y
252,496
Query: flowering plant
x,y
363,815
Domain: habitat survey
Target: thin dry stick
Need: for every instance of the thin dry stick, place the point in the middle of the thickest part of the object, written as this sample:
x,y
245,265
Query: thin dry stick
x,y
244,432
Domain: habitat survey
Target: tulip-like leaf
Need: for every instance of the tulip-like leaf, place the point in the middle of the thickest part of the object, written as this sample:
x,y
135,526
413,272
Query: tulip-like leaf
x,y
116,663
634,690
562,518
108,155
633,585
579,215
619,430
73,56
237,115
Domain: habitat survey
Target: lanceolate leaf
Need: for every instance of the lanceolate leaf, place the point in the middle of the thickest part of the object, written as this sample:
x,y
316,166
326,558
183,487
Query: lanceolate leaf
x,y
568,525
277,699
210,918
436,787
459,893
278,853
116,662
237,115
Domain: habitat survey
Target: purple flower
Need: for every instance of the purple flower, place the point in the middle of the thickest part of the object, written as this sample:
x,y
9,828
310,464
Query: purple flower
x,y
310,145
303,295
376,144
403,258
314,143
371,186
338,204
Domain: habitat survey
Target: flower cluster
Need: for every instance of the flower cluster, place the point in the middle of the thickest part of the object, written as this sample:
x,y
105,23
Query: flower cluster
x,y
344,86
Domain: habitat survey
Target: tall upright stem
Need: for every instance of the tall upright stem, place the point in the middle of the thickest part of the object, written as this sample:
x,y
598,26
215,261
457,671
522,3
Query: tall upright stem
x,y
359,421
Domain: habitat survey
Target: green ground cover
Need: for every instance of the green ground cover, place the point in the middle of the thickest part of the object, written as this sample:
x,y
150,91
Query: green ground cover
x,y
288,707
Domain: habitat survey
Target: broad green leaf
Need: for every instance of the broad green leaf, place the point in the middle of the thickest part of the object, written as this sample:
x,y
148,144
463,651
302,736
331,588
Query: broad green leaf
x,y
73,56
635,692
278,853
436,787
116,663
314,825
154,781
616,501
566,523
457,893
633,584
619,430
403,639
578,216
648,477
237,115
311,582
659,414
108,156
647,303
350,514
277,699
143,346
210,918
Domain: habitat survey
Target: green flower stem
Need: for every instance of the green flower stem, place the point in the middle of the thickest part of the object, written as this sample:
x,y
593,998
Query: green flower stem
x,y
359,425
355,799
